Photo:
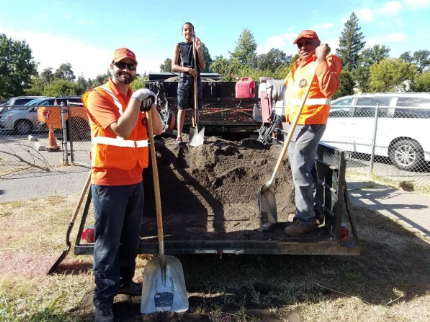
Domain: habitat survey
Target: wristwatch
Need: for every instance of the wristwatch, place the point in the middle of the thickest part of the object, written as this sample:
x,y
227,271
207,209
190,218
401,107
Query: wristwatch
x,y
190,70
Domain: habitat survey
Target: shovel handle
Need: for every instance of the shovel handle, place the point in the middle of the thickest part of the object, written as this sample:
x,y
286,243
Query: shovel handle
x,y
291,131
195,83
156,187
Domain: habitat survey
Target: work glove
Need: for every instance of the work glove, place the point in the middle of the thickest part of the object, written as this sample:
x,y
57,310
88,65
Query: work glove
x,y
146,97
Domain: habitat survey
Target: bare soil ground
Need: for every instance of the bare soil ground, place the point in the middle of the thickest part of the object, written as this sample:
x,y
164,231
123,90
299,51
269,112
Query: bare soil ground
x,y
208,192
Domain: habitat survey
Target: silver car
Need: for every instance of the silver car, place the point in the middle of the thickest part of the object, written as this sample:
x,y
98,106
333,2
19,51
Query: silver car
x,y
21,119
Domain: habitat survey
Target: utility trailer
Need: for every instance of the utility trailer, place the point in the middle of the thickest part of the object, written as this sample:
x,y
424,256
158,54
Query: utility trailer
x,y
185,233
215,222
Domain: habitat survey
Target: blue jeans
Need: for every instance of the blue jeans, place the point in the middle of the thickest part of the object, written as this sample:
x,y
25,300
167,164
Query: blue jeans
x,y
118,212
302,151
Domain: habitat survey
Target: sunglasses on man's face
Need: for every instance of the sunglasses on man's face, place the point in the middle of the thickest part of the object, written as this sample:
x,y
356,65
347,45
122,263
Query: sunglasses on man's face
x,y
122,65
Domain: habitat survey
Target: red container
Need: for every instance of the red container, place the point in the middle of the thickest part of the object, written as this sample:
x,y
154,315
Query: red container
x,y
245,88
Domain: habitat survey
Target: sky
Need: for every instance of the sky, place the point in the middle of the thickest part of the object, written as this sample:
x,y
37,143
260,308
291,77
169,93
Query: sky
x,y
86,33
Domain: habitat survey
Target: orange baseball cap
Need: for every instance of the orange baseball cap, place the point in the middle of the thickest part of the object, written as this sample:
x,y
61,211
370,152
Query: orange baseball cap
x,y
307,33
122,53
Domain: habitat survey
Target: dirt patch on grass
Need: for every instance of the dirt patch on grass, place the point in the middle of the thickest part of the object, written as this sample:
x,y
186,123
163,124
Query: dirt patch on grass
x,y
218,181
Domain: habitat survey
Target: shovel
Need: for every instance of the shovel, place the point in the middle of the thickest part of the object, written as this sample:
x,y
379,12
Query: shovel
x,y
70,226
163,288
266,194
196,136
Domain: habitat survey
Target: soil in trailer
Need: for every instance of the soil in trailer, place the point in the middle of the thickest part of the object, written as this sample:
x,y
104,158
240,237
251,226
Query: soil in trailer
x,y
210,192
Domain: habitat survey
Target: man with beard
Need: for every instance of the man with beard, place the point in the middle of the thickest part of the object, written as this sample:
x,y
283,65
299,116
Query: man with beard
x,y
119,153
320,71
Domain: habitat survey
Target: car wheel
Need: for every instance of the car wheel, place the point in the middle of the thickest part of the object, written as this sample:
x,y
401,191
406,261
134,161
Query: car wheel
x,y
406,155
23,127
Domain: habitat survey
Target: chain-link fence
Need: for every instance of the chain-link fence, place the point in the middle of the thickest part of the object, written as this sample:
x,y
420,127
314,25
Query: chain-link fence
x,y
385,144
43,138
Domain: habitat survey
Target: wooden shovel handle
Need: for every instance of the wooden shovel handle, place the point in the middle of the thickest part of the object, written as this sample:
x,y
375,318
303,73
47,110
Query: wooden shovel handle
x,y
291,130
156,186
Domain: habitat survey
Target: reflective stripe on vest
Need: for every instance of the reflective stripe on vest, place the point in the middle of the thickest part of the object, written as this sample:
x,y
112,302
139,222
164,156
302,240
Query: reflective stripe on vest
x,y
119,141
315,109
117,103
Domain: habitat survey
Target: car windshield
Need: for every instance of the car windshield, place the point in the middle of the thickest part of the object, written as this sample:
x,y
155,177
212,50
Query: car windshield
x,y
34,102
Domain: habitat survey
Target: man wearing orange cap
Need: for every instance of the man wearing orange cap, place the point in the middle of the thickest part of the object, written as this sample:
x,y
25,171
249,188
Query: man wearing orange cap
x,y
319,70
119,153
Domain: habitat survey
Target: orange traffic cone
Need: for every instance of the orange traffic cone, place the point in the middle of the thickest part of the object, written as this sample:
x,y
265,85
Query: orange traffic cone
x,y
52,141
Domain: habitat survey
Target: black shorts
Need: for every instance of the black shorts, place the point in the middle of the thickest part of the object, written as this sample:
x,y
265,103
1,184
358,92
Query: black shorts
x,y
185,93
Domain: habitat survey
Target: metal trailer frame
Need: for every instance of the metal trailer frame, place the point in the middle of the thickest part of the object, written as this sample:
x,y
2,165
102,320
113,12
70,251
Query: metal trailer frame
x,y
333,202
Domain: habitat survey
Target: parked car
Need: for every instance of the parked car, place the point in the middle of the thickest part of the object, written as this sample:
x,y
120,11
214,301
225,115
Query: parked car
x,y
21,118
17,101
402,125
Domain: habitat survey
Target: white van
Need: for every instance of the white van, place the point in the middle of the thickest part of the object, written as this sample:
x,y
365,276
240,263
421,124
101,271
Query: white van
x,y
402,126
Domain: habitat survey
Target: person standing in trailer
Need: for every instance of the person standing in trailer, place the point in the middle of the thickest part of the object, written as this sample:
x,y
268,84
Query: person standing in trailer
x,y
183,63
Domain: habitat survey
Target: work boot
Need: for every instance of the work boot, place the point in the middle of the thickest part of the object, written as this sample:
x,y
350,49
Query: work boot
x,y
131,289
103,315
297,228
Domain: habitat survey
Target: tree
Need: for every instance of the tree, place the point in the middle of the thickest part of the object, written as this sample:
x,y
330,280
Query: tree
x,y
82,82
166,66
391,75
272,60
207,59
223,67
64,72
350,43
245,52
16,67
346,84
47,75
368,57
421,83
420,58
62,87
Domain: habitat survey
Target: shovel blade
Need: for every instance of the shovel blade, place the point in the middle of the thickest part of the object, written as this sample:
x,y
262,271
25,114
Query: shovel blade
x,y
163,290
267,207
196,137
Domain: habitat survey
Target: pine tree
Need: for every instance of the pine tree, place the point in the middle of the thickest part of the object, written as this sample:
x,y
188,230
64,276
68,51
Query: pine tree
x,y
350,44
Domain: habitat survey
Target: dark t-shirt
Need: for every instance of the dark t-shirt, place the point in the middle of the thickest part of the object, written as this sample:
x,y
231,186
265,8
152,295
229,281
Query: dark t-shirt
x,y
186,55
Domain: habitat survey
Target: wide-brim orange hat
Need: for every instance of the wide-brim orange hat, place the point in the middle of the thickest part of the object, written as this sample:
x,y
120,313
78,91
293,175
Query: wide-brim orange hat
x,y
122,53
307,33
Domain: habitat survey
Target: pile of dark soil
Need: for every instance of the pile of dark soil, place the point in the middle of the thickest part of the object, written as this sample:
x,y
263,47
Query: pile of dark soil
x,y
211,191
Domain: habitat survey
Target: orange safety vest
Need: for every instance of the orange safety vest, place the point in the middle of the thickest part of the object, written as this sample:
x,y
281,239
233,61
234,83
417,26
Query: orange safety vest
x,y
111,151
316,108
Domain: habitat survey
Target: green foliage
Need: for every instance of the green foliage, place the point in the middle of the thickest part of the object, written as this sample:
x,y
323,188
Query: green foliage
x,y
16,67
390,75
272,60
166,67
64,72
346,84
420,58
223,67
139,82
207,59
368,57
36,87
62,87
350,44
245,52
421,83
47,75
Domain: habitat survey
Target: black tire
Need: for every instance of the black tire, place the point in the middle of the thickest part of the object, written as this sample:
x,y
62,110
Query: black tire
x,y
23,127
407,155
